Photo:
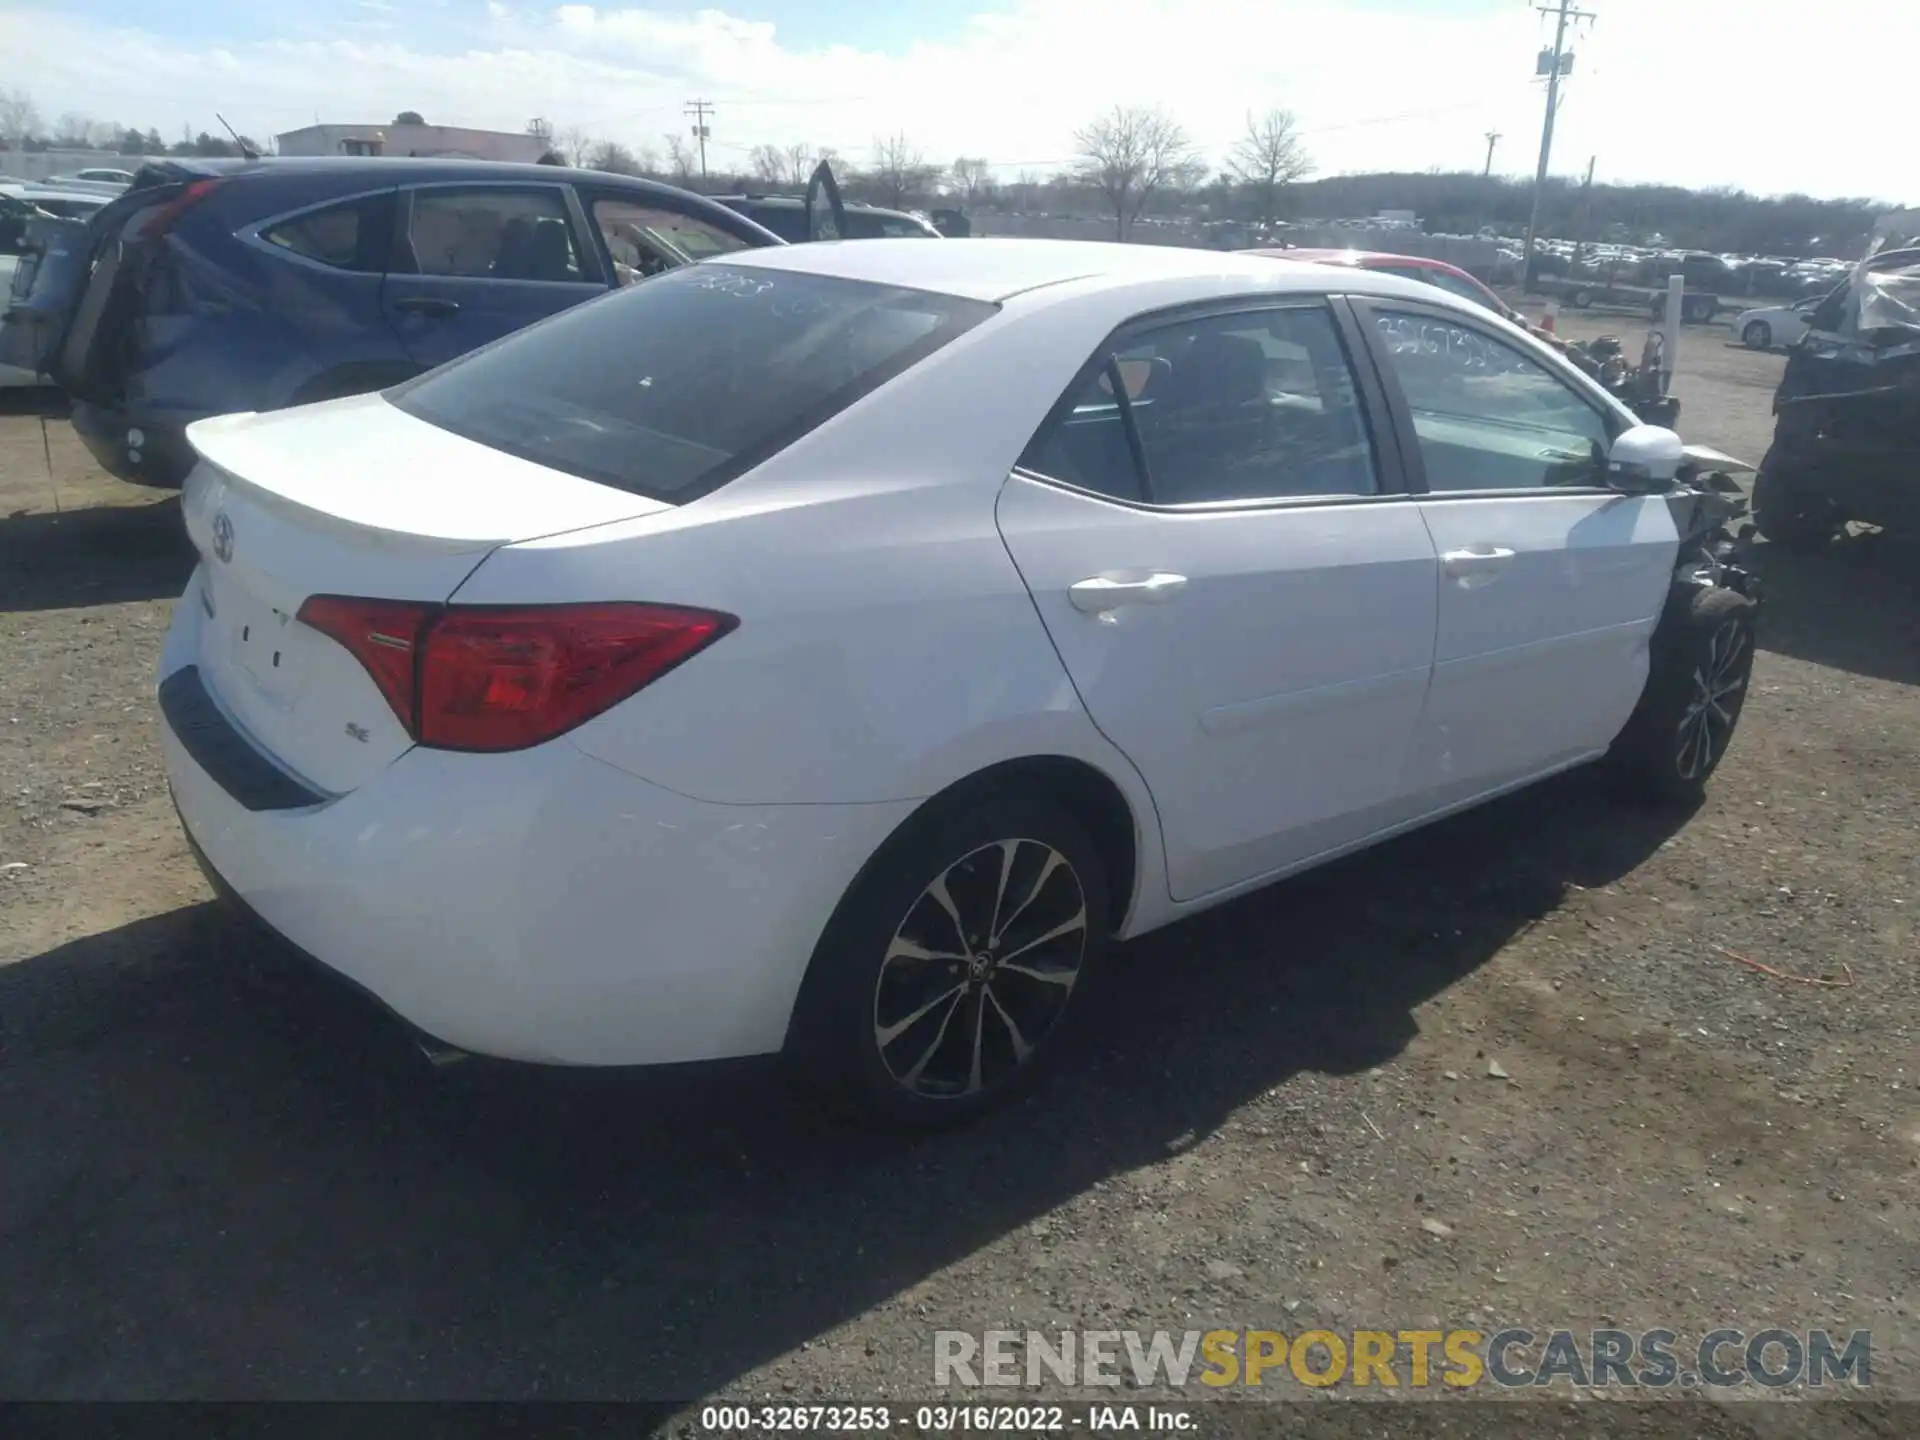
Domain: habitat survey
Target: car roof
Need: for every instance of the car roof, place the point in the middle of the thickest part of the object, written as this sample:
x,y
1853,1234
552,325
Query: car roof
x,y
31,190
997,268
1364,258
412,167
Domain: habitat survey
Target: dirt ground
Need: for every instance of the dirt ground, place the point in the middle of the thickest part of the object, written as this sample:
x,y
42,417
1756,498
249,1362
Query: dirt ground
x,y
221,1178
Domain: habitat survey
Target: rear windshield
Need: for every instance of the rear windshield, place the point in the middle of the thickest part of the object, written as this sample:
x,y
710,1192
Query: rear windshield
x,y
675,385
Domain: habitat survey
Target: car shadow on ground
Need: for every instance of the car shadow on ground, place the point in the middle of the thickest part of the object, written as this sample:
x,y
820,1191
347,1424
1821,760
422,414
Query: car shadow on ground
x,y
224,1177
97,555
1853,605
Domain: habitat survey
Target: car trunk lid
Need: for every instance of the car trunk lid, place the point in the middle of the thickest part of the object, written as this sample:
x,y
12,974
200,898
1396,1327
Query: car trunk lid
x,y
355,498
78,282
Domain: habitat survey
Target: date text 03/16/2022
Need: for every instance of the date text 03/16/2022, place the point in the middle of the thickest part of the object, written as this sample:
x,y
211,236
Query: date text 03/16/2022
x,y
943,1419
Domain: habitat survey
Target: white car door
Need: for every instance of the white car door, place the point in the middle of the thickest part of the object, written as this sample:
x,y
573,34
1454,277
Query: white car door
x,y
1550,583
1240,589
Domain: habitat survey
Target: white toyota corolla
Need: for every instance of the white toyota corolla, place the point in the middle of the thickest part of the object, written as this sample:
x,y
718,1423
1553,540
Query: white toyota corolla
x,y
828,650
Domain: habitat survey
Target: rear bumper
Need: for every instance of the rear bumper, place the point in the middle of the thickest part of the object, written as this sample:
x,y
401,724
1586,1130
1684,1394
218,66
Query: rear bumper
x,y
161,457
541,906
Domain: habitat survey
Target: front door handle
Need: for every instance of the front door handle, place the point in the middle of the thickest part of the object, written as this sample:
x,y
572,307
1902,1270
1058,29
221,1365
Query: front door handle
x,y
1100,593
1476,565
434,307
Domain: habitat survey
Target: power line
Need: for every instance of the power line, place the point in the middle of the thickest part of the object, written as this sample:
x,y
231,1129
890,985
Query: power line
x,y
1493,139
700,110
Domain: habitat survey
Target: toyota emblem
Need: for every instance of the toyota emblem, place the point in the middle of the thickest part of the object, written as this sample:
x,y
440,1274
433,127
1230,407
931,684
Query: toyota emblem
x,y
223,537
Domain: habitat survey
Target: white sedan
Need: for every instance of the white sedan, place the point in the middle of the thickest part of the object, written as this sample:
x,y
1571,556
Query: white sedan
x,y
1774,326
828,650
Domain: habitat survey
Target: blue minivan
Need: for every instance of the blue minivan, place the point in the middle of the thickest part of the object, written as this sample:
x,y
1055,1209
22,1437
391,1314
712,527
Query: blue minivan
x,y
214,286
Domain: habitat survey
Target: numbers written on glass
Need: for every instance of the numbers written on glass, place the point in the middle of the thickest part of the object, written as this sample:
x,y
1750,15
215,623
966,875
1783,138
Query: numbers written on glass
x,y
729,282
1411,335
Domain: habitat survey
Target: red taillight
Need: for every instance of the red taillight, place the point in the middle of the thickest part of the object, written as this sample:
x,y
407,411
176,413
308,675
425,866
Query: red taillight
x,y
161,219
470,677
383,635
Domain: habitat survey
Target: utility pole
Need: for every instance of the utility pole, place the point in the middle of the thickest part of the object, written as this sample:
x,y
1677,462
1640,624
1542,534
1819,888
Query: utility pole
x,y
1562,13
1493,139
1586,212
700,110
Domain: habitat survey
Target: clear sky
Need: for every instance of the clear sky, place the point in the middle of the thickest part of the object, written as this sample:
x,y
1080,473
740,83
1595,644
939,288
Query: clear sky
x,y
1764,95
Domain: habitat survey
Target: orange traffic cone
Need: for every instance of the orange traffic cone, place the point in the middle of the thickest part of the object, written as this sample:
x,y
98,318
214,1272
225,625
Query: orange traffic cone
x,y
1553,312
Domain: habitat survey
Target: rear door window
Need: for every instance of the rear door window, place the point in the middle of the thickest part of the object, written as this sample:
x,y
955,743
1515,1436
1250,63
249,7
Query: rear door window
x,y
1256,405
645,240
522,234
352,235
672,387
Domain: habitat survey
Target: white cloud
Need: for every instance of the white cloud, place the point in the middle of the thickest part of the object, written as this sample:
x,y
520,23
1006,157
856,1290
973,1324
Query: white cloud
x,y
1709,92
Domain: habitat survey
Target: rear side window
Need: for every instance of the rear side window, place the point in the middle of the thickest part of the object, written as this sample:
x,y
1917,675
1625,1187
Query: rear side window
x,y
507,234
1259,405
352,235
673,386
644,240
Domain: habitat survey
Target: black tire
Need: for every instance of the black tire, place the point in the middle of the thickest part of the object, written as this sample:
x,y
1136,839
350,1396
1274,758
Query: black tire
x,y
1788,513
1697,681
1582,299
1757,336
862,983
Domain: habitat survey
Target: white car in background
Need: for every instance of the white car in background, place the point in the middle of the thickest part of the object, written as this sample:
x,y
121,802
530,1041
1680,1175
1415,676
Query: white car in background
x,y
829,648
1770,327
20,203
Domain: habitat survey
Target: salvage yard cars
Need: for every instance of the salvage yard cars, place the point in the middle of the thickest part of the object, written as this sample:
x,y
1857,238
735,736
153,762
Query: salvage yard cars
x,y
828,649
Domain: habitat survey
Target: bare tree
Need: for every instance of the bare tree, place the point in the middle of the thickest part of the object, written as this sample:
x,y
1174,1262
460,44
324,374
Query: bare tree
x,y
19,117
681,162
769,164
970,178
899,171
648,159
1129,153
1268,158
613,158
572,145
800,162
70,130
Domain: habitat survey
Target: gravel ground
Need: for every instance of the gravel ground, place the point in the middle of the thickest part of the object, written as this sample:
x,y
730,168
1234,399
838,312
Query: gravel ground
x,y
1506,1071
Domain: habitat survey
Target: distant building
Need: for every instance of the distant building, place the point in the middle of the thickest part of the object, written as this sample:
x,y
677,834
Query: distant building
x,y
452,141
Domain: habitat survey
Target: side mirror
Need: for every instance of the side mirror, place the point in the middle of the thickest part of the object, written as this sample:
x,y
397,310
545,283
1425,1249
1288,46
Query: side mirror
x,y
1645,460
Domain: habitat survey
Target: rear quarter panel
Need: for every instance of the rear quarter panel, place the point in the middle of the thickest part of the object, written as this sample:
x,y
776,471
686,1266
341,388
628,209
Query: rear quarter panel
x,y
230,324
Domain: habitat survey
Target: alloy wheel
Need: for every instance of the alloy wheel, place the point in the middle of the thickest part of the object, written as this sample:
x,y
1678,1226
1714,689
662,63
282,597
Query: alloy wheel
x,y
1718,685
980,969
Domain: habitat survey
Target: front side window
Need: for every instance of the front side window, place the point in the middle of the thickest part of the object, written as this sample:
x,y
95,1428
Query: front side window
x,y
1252,406
671,388
349,236
1488,417
644,240
521,234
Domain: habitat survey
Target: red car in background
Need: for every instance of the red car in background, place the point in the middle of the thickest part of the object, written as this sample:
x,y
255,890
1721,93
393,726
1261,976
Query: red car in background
x,y
1429,272
1412,267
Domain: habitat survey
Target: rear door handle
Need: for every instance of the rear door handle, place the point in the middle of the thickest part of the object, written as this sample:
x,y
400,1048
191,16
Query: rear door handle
x,y
1476,565
1099,593
433,306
